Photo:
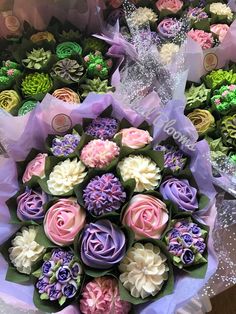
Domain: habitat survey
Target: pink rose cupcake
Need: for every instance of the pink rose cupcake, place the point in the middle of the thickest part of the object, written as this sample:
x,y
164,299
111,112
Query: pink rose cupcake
x,y
147,216
35,167
99,153
134,138
63,221
171,5
220,30
204,39
101,295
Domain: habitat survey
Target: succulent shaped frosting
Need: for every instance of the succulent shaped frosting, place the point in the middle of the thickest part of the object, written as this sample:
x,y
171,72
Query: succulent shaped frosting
x,y
68,70
196,94
70,35
228,130
218,149
9,99
36,59
92,44
97,86
224,98
36,83
220,77
202,119
68,49
97,66
27,107
8,72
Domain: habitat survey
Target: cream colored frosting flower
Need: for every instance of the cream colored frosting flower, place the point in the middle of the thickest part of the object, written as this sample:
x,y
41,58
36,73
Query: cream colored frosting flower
x,y
143,270
145,172
25,251
219,8
142,16
65,176
168,51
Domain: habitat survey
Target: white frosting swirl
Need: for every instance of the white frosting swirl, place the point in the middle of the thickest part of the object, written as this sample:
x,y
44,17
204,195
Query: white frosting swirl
x,y
142,16
168,51
143,270
25,251
219,8
142,169
65,176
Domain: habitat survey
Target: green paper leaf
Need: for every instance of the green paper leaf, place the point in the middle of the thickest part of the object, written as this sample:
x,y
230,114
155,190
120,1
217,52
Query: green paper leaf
x,y
38,272
44,296
42,239
62,300
14,276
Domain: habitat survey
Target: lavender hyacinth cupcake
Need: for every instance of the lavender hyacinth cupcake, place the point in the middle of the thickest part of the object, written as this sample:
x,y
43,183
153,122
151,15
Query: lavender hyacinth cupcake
x,y
30,205
102,128
174,159
63,146
169,28
104,194
186,242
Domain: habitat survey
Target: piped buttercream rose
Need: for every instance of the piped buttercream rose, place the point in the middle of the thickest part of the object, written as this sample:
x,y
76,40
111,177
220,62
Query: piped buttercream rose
x,y
202,119
102,245
147,216
63,221
35,167
181,193
220,30
171,5
134,138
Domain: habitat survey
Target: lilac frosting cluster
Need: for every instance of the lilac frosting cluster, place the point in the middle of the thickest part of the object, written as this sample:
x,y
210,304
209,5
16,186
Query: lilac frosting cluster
x,y
104,194
65,145
102,128
60,276
186,243
174,159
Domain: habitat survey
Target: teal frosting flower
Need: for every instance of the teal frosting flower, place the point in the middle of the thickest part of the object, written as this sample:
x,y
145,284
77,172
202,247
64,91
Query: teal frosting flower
x,y
68,49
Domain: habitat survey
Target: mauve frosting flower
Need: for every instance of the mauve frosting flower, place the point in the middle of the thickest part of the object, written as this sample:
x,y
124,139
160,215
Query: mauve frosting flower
x,y
102,245
66,94
63,256
171,5
145,172
204,39
54,291
35,167
42,284
102,128
47,268
30,205
196,14
175,248
200,246
169,27
104,194
99,153
174,158
63,274
101,295
147,216
220,30
134,138
180,192
63,221
63,146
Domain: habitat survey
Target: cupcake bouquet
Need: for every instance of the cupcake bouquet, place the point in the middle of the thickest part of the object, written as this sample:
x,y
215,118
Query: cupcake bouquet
x,y
60,60
105,219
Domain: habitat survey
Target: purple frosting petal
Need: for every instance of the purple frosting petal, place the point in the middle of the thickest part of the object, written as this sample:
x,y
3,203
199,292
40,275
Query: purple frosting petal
x,y
102,128
103,245
169,27
181,193
30,205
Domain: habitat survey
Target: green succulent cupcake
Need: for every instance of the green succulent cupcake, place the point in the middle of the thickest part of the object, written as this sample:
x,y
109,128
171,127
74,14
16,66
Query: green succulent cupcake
x,y
97,86
92,44
203,120
220,77
27,106
8,73
97,66
224,99
68,49
228,130
70,35
36,83
196,96
67,70
37,59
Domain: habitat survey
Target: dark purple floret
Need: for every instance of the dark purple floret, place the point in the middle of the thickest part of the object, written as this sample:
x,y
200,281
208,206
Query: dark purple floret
x,y
187,239
200,246
104,194
175,249
102,128
68,258
196,231
75,270
174,233
47,268
58,255
65,145
54,291
63,274
174,159
42,284
187,257
70,289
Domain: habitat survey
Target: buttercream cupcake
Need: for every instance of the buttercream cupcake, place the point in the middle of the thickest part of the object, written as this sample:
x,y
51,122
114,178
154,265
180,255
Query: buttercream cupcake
x,y
104,292
40,36
224,98
142,169
97,86
63,146
167,52
66,94
204,39
36,167
220,77
144,270
9,100
186,243
68,71
102,128
197,96
37,59
196,14
36,83
134,138
68,49
104,194
24,251
97,254
169,28
220,30
172,6
221,9
99,153
228,130
59,277
27,106
174,159
65,176
202,119
97,65
147,216
181,193
30,205
142,16
63,221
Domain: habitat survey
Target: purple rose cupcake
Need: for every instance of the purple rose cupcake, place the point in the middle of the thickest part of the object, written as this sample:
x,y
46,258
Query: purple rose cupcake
x,y
169,28
181,193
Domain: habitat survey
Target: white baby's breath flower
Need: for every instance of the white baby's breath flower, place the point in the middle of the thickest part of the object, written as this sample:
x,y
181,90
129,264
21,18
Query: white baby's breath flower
x,y
25,251
219,8
143,270
142,16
